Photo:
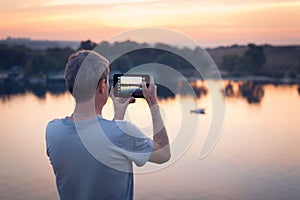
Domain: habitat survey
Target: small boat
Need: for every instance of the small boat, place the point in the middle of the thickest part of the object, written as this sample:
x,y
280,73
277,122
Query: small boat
x,y
198,111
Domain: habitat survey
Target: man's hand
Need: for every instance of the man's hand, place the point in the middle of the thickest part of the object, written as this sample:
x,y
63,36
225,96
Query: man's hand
x,y
161,148
150,94
120,105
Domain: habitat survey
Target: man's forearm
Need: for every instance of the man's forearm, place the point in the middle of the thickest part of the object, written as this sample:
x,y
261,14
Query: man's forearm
x,y
160,135
118,116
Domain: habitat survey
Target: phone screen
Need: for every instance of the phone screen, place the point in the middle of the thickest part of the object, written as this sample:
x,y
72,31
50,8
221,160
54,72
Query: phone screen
x,y
129,85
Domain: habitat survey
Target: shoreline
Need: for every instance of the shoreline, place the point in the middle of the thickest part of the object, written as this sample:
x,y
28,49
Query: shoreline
x,y
261,79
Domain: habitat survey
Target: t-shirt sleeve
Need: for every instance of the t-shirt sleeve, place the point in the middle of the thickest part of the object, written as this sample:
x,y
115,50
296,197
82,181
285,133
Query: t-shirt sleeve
x,y
138,147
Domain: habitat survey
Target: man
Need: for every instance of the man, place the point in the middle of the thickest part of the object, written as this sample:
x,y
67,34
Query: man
x,y
92,157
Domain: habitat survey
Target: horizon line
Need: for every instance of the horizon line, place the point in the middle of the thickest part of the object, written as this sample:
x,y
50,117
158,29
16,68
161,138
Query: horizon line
x,y
177,45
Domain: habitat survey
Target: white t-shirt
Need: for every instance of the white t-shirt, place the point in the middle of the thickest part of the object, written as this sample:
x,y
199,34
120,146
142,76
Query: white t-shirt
x,y
92,159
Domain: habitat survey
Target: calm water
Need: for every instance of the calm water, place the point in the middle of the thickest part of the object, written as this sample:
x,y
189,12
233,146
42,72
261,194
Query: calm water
x,y
257,156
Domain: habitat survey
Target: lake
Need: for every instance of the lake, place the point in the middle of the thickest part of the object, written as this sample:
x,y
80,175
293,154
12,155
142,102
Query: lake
x,y
256,157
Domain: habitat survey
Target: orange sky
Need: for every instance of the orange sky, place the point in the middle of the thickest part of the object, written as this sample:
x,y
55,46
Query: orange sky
x,y
211,23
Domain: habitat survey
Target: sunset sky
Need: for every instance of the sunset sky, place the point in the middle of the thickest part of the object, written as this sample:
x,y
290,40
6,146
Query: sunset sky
x,y
210,23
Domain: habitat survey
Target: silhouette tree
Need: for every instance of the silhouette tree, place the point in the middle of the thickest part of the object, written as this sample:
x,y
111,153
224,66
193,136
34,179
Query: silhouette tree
x,y
251,62
87,45
230,62
299,66
255,56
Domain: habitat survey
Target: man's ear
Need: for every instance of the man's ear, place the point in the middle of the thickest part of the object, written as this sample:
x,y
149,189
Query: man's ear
x,y
101,86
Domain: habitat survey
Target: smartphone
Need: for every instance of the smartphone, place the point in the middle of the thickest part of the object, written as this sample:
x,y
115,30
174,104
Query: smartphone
x,y
129,85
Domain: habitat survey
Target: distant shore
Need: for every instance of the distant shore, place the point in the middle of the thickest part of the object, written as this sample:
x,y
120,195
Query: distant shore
x,y
280,64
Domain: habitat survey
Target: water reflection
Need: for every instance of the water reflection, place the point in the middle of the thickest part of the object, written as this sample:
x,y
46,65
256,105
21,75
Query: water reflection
x,y
39,89
250,90
256,158
199,87
8,89
229,90
164,92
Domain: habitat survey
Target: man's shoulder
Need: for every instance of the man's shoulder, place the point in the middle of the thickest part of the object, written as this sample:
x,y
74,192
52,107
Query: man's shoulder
x,y
54,126
54,122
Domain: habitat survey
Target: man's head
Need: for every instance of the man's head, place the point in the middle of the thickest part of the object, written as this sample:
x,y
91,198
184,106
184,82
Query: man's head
x,y
86,74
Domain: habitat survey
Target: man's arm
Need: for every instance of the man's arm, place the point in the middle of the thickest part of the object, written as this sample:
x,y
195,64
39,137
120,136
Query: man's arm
x,y
120,105
161,148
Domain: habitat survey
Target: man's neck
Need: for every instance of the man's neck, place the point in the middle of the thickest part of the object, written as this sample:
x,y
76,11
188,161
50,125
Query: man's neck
x,y
87,108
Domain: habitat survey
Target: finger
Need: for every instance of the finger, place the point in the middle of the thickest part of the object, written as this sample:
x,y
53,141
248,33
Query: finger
x,y
155,88
125,102
151,80
145,89
111,93
152,83
132,100
144,84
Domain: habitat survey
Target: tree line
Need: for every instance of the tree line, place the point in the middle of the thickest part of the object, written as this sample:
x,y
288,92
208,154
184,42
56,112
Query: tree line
x,y
33,62
53,60
251,62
